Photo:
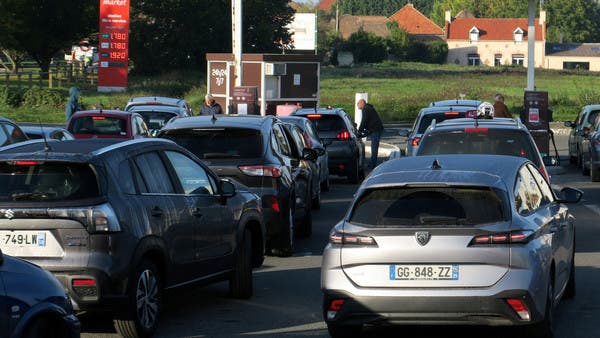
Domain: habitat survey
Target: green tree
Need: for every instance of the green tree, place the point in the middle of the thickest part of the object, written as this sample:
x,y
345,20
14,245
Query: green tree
x,y
41,28
381,7
573,21
399,40
366,47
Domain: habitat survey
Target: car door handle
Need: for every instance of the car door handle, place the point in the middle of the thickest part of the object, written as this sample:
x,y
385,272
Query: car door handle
x,y
197,212
156,212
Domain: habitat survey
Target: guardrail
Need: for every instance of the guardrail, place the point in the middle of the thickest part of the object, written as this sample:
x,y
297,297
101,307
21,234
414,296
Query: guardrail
x,y
59,76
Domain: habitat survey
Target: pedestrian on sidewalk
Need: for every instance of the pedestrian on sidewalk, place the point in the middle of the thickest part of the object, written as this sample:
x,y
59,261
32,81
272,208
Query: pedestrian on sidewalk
x,y
210,106
73,103
372,127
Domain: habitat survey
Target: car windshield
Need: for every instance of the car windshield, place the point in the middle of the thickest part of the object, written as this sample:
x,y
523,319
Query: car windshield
x,y
155,119
438,117
219,142
480,141
99,125
429,206
42,181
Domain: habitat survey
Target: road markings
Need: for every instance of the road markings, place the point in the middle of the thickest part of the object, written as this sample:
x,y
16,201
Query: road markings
x,y
309,329
594,208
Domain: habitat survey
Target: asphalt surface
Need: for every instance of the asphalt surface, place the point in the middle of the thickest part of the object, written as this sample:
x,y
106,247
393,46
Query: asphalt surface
x,y
287,298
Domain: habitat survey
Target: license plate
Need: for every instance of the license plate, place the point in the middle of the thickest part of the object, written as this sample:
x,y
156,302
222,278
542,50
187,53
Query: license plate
x,y
424,272
23,239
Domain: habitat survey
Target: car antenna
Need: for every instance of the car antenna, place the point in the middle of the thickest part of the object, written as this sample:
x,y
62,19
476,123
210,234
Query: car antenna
x,y
46,145
213,119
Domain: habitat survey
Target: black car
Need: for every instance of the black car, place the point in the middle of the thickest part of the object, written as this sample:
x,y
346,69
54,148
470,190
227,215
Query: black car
x,y
32,302
313,141
118,223
10,132
255,151
347,150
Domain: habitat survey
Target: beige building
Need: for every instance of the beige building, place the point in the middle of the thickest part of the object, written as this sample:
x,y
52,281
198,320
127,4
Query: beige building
x,y
583,56
493,42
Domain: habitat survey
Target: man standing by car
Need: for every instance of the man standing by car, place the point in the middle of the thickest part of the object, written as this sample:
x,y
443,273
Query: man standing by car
x,y
370,126
210,106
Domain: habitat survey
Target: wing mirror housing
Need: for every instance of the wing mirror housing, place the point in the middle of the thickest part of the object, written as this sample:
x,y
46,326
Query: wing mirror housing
x,y
550,161
320,151
228,189
327,141
404,132
570,195
309,154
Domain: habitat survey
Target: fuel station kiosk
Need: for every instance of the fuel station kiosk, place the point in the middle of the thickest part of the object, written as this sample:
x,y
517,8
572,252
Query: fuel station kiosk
x,y
537,117
269,82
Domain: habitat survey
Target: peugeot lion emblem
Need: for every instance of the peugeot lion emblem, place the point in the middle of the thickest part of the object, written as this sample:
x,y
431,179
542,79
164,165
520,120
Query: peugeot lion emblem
x,y
423,237
8,213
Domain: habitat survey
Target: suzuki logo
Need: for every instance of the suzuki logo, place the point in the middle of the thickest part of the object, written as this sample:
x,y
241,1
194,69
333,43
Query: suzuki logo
x,y
423,237
8,213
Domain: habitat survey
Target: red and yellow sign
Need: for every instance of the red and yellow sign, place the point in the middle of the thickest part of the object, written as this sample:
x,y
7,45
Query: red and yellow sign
x,y
114,45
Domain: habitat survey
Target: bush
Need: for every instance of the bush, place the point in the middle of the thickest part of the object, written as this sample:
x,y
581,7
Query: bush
x,y
36,97
11,97
366,47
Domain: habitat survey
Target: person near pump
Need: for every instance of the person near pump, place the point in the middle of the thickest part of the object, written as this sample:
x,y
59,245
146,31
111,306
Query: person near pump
x,y
372,127
500,109
210,106
73,103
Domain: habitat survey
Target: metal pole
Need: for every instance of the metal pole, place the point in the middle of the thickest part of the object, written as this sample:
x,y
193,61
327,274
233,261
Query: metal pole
x,y
337,16
236,36
531,46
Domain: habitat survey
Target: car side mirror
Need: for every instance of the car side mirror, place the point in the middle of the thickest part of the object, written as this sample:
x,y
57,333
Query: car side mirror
x,y
404,132
327,141
309,154
570,195
320,151
550,161
228,189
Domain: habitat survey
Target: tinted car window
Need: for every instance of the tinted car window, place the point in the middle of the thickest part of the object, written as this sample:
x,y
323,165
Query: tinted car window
x,y
428,118
528,196
44,181
154,173
220,143
479,141
15,133
545,188
419,207
125,177
102,125
155,119
192,176
3,137
329,123
282,141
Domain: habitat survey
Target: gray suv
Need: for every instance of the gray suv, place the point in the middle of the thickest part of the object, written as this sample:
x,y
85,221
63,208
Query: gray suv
x,y
118,223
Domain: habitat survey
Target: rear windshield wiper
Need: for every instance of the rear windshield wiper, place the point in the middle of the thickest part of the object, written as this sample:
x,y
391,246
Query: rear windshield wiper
x,y
32,195
432,219
220,155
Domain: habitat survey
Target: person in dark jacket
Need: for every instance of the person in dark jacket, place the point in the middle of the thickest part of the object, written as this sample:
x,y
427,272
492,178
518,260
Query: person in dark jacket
x,y
210,106
73,103
371,126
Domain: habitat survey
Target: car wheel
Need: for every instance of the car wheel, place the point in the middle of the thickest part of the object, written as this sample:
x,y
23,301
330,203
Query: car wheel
x,y
545,328
241,283
579,159
305,229
145,303
353,173
343,331
286,237
571,290
45,326
585,170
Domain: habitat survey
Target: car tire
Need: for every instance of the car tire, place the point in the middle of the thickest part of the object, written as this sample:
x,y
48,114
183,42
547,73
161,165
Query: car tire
x,y
545,328
241,283
343,331
353,173
45,326
141,320
571,289
305,229
285,245
585,171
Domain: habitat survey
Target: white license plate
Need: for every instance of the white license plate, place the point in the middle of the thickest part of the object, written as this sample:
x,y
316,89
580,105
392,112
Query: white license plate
x,y
23,239
424,272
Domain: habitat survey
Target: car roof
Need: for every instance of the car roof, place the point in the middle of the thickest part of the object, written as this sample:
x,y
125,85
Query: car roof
x,y
438,109
495,123
36,128
110,113
322,111
456,102
4,119
465,169
157,108
155,100
219,121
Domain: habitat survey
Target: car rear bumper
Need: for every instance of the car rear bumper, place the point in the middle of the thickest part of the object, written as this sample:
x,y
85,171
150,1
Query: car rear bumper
x,y
103,294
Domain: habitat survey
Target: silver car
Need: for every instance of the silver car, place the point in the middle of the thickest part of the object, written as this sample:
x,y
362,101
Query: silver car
x,y
451,239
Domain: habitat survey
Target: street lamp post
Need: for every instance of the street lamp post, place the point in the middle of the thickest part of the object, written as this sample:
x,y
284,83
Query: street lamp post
x,y
236,39
531,46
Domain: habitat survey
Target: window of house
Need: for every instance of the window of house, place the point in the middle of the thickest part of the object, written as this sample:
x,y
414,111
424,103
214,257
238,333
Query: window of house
x,y
576,65
473,60
497,60
518,59
474,34
518,35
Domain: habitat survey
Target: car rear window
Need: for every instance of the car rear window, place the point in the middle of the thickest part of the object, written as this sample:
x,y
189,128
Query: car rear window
x,y
46,181
328,123
99,125
219,143
156,120
430,206
480,141
438,117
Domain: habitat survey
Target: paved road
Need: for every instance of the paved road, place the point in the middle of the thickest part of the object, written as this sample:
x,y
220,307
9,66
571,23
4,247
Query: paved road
x,y
287,298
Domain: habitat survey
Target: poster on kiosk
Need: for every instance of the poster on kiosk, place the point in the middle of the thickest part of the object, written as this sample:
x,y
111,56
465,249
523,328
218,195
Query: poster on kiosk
x,y
114,45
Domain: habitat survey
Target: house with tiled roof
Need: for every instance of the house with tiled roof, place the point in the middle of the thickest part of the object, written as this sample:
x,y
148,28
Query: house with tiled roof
x,y
350,24
583,56
417,24
325,5
493,42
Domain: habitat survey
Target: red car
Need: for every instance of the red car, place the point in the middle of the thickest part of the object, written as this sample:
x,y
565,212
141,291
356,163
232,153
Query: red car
x,y
107,124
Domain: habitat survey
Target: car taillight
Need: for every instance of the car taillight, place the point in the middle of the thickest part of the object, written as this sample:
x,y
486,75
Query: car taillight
x,y
97,219
415,141
344,135
334,307
27,163
337,237
450,113
519,307
98,118
261,170
314,116
307,139
513,237
476,130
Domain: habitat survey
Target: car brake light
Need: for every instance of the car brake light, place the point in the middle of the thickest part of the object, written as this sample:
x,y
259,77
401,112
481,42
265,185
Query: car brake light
x,y
344,135
83,282
97,219
415,141
273,203
261,170
334,307
519,307
314,116
450,113
98,118
476,130
307,139
513,237
336,237
27,163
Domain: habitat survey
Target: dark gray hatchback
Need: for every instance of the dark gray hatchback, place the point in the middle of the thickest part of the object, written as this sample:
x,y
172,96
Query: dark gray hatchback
x,y
120,222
